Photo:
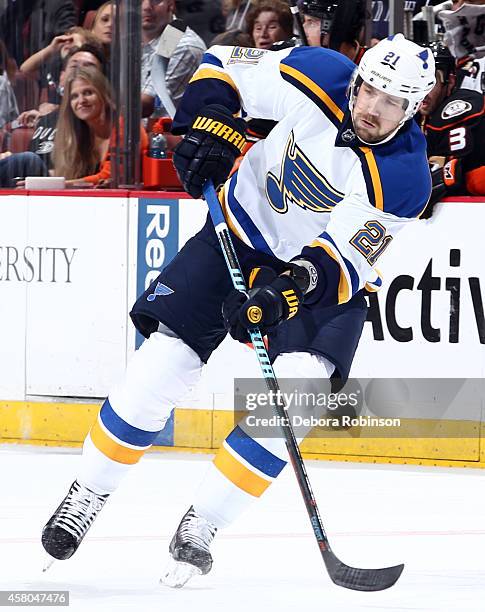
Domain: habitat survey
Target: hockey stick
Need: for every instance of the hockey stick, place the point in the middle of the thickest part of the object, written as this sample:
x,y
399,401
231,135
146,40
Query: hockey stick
x,y
341,574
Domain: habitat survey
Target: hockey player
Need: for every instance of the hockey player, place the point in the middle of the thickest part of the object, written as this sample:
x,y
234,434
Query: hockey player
x,y
311,209
453,120
335,25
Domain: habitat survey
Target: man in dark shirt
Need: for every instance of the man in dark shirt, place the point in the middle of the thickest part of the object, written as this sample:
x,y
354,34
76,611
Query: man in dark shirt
x,y
26,26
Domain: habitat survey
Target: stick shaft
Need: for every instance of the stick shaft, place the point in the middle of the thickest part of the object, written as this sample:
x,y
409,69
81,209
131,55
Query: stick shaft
x,y
238,281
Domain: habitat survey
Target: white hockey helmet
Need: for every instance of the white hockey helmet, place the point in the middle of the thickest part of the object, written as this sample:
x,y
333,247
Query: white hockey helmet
x,y
398,67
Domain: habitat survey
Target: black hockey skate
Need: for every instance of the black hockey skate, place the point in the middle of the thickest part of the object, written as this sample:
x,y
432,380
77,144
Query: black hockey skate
x,y
69,524
189,550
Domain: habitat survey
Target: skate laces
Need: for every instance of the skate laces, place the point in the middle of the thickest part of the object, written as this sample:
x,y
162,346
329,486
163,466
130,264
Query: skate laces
x,y
196,530
78,510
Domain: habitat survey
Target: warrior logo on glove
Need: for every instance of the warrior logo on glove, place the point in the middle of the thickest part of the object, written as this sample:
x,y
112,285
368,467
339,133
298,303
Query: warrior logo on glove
x,y
209,149
292,301
207,124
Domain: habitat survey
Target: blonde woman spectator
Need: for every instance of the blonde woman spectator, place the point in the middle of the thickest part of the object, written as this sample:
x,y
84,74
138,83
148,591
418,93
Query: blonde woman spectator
x,y
103,23
102,27
84,129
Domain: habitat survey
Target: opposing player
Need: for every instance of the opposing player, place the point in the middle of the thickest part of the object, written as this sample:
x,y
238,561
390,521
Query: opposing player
x,y
337,24
453,120
311,209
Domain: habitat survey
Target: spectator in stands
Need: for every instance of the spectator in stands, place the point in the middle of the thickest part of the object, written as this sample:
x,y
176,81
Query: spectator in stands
x,y
27,26
235,12
44,133
156,15
88,54
38,160
268,22
8,103
15,167
48,62
103,26
84,130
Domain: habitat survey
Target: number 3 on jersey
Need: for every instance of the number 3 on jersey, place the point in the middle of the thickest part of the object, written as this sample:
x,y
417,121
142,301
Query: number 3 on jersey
x,y
457,138
371,241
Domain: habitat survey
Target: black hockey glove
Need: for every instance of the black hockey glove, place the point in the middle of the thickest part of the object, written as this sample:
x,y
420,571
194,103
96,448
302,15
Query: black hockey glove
x,y
272,300
209,149
444,179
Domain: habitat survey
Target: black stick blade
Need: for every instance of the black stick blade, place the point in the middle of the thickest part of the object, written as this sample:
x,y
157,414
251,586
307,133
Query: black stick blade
x,y
360,579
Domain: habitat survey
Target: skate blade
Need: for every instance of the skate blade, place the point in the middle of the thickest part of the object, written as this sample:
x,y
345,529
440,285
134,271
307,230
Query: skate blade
x,y
178,573
48,562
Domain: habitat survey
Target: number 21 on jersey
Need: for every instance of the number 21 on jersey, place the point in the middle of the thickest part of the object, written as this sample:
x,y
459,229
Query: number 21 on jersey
x,y
371,241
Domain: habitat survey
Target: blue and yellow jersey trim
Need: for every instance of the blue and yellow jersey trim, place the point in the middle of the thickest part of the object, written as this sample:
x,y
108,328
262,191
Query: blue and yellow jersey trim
x,y
212,73
372,177
323,75
245,229
349,282
397,173
374,284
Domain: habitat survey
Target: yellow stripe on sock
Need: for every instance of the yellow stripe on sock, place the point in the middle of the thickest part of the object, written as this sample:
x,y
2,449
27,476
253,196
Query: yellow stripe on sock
x,y
112,449
239,474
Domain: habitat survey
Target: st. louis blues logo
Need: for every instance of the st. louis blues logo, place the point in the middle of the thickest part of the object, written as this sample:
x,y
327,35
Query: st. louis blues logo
x,y
300,183
160,289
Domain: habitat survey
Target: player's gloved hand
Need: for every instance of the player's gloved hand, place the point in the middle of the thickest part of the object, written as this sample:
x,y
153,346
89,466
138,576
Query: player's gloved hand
x,y
444,179
272,300
209,149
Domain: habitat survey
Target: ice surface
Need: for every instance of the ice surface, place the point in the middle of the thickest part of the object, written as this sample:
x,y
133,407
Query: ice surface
x,y
433,519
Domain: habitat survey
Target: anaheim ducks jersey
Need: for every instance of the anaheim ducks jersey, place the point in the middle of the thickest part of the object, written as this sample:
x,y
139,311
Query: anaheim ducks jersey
x,y
456,129
311,188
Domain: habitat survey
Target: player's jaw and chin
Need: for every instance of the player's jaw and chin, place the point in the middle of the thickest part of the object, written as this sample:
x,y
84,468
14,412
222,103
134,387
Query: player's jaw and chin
x,y
374,127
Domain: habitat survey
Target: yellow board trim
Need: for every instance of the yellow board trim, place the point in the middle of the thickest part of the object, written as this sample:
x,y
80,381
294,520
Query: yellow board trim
x,y
113,450
314,88
239,474
376,179
343,285
210,73
58,424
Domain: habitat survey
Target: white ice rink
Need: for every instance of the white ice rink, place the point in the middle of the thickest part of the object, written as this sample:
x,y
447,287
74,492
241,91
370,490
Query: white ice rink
x,y
432,519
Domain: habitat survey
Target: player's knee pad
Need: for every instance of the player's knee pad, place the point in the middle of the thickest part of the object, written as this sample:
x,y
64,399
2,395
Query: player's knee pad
x,y
303,379
160,374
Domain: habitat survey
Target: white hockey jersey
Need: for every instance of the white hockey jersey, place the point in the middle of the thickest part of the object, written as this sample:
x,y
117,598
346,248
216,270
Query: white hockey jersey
x,y
310,187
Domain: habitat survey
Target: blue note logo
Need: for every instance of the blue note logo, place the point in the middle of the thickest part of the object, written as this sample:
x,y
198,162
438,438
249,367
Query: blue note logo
x,y
300,183
160,290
